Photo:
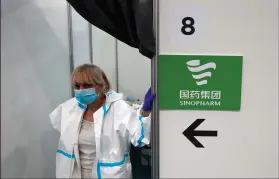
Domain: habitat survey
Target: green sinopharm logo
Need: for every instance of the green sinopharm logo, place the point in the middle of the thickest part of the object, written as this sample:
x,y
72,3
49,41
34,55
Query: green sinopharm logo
x,y
205,82
195,67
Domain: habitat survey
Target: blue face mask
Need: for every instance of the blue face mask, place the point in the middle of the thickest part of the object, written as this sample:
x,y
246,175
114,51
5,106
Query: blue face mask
x,y
86,96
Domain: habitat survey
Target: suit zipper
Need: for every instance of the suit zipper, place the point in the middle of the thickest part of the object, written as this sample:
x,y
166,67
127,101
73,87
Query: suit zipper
x,y
76,144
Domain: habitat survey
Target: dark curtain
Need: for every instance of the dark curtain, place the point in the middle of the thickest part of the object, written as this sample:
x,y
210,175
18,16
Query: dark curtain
x,y
130,21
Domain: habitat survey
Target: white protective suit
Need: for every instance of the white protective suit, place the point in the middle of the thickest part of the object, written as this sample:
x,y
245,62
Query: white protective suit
x,y
117,126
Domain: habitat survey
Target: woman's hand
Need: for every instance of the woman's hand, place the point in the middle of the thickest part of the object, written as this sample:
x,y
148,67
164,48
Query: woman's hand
x,y
148,103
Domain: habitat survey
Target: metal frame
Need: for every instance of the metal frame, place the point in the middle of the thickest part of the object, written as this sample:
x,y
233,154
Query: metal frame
x,y
70,40
90,43
116,65
155,88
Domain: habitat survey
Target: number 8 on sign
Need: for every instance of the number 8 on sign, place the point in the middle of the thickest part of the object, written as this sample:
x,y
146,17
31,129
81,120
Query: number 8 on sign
x,y
188,26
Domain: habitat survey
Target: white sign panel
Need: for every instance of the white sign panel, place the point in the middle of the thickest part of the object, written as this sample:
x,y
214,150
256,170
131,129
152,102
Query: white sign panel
x,y
247,140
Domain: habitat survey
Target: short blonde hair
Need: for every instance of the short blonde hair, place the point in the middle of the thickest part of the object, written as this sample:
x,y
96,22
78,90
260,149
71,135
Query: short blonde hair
x,y
90,74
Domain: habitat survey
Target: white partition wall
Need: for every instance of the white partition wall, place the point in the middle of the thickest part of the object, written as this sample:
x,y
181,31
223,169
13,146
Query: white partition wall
x,y
104,54
134,71
92,45
81,41
35,79
247,140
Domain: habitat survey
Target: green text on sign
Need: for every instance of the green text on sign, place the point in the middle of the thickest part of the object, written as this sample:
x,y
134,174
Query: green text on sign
x,y
200,82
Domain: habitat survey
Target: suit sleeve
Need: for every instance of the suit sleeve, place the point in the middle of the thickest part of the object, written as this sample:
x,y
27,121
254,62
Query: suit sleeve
x,y
139,129
55,118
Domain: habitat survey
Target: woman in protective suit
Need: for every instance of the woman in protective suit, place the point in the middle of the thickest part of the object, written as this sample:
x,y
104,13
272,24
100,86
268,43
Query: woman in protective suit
x,y
97,128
